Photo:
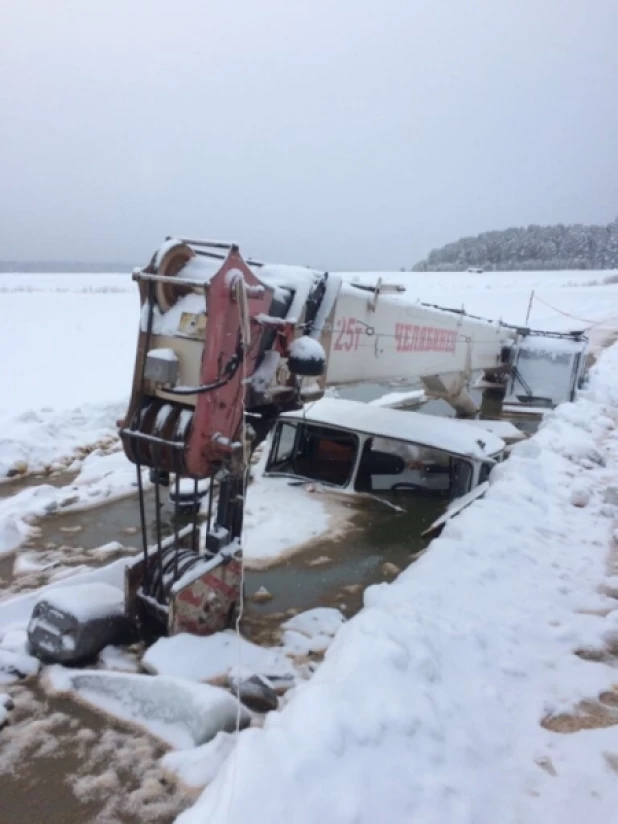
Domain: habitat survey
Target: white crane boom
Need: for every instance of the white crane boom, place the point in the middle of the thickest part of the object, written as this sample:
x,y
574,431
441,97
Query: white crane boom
x,y
377,335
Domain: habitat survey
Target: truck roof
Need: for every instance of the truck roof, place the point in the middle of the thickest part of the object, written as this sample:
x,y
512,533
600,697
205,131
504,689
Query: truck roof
x,y
459,437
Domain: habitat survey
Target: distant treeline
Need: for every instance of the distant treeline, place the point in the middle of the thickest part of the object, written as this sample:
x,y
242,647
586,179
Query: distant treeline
x,y
62,266
536,247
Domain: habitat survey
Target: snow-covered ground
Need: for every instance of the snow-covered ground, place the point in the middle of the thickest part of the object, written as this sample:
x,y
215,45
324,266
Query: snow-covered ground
x,y
445,698
429,704
301,517
66,365
176,710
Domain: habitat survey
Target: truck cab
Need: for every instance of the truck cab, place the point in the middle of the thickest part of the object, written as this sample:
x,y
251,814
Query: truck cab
x,y
546,369
359,448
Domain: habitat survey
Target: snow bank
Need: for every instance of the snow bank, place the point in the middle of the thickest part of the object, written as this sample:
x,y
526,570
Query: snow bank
x,y
225,656
180,713
215,658
321,620
311,631
40,439
15,640
198,766
429,702
117,658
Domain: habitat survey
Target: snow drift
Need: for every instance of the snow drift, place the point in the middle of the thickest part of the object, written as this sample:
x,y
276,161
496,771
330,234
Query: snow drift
x,y
429,703
181,713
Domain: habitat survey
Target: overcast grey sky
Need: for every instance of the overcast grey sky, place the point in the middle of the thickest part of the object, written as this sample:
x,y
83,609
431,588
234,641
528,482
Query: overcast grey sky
x,y
349,134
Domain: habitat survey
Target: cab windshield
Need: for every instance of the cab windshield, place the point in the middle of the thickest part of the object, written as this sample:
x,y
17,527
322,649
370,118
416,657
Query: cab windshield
x,y
318,453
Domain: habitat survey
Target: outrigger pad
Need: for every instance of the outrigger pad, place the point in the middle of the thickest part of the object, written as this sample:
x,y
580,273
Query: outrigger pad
x,y
71,625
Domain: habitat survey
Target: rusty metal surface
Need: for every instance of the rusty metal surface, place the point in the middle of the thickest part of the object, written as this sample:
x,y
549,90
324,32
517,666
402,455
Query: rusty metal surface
x,y
203,606
217,417
206,604
221,412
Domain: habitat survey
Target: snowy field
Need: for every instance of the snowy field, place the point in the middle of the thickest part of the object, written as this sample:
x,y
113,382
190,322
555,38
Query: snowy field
x,y
69,343
448,697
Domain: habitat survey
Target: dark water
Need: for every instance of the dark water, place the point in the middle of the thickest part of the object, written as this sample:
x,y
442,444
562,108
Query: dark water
x,y
15,485
69,539
356,560
116,521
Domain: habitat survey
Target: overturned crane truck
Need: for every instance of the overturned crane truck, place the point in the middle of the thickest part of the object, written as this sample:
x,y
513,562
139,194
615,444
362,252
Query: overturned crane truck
x,y
226,345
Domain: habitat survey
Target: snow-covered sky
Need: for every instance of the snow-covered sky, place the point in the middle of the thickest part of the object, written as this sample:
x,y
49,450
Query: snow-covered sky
x,y
344,134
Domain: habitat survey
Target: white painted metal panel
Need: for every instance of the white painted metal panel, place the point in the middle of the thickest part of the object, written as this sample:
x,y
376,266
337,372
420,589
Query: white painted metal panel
x,y
456,506
401,338
448,434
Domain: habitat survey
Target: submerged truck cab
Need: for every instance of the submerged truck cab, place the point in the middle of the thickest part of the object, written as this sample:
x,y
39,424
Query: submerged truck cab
x,y
360,448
